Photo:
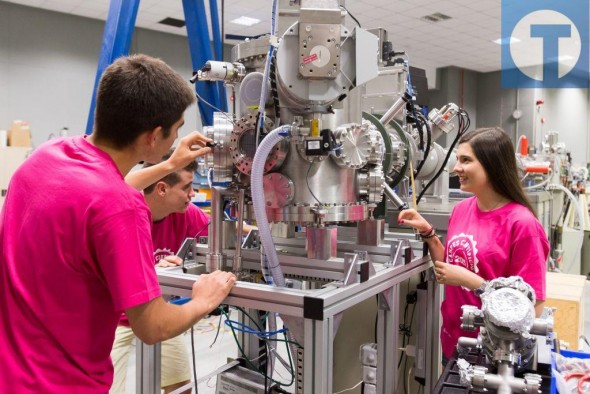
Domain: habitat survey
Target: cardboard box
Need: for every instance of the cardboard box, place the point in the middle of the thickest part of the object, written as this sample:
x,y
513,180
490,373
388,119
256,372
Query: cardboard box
x,y
566,293
19,138
19,134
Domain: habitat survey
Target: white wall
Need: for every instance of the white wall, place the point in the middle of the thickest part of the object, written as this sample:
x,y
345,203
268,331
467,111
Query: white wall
x,y
566,111
48,64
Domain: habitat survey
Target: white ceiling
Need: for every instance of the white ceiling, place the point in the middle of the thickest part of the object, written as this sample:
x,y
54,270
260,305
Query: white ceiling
x,y
465,41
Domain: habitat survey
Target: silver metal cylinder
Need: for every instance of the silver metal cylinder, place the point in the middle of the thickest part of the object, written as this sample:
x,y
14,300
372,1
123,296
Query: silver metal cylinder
x,y
228,234
395,108
321,242
237,267
467,342
394,198
214,258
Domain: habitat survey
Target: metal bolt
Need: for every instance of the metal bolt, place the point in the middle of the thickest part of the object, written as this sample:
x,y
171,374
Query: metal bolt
x,y
310,38
308,28
326,145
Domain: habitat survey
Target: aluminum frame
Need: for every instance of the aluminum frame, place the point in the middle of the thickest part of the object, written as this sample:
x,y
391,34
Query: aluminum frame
x,y
319,324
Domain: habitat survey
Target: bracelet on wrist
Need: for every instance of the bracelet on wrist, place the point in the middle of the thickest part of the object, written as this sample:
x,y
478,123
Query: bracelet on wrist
x,y
429,234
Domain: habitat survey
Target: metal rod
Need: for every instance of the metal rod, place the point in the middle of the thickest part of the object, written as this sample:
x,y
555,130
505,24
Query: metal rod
x,y
394,198
238,256
214,257
391,113
467,342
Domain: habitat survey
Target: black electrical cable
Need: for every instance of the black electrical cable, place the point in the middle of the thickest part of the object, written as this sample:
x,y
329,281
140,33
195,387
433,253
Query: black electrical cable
x,y
273,87
413,118
218,329
554,234
352,16
403,329
266,348
307,182
249,362
464,123
376,317
428,144
403,325
410,331
194,362
261,127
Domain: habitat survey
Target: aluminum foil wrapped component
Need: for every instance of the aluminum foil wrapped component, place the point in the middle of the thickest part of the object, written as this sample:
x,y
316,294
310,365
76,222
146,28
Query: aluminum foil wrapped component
x,y
510,308
514,282
465,371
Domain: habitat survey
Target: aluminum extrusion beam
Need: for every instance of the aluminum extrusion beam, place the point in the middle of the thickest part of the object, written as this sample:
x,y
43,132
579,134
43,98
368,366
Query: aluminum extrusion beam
x,y
319,308
148,359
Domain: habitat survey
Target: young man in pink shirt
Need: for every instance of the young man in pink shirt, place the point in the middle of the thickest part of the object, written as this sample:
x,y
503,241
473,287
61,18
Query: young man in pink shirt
x,y
174,218
77,255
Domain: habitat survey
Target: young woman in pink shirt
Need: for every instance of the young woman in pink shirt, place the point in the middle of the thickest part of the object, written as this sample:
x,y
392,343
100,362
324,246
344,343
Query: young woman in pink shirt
x,y
493,234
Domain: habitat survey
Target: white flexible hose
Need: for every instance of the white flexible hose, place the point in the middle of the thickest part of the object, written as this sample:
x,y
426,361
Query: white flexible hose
x,y
580,214
259,204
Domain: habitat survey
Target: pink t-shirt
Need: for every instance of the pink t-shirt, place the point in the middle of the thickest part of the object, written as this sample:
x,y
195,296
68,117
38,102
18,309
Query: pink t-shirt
x,y
169,233
508,241
75,251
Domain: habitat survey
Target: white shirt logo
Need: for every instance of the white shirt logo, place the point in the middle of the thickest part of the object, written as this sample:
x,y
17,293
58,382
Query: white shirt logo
x,y
462,250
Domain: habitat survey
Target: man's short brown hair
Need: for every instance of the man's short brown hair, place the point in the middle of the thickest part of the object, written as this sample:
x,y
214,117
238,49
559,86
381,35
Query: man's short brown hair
x,y
173,178
135,95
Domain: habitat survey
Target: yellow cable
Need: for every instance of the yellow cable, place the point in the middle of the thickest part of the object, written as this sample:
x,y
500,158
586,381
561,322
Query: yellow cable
x,y
413,187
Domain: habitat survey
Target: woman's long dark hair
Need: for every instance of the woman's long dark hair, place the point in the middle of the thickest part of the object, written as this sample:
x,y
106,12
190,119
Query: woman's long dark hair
x,y
493,148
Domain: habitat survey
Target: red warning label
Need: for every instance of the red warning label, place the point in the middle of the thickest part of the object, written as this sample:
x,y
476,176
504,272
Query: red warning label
x,y
311,58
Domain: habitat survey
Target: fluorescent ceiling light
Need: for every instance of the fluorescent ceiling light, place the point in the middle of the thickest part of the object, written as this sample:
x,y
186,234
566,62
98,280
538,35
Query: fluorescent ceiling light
x,y
505,40
566,57
245,21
